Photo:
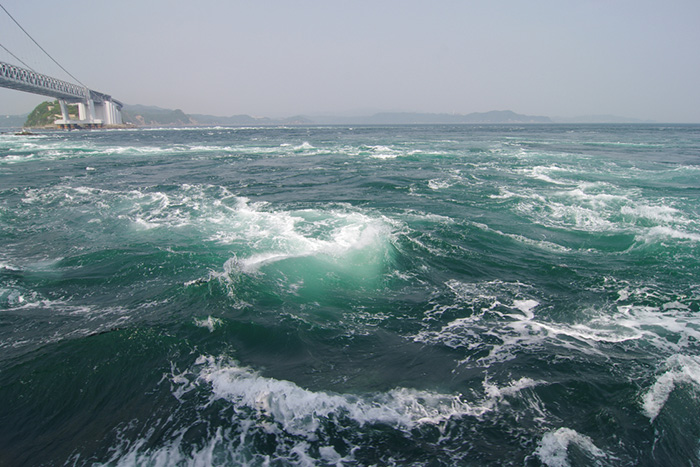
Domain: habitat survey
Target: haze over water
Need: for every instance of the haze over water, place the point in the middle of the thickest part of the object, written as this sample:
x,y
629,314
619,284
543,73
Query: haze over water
x,y
385,295
628,58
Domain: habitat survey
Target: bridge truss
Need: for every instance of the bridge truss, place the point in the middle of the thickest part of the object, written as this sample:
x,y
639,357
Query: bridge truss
x,y
94,108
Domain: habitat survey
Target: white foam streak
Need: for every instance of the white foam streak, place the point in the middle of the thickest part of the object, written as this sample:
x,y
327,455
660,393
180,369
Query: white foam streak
x,y
679,369
542,244
438,184
169,454
526,307
604,208
210,323
8,267
496,393
274,236
301,412
543,173
554,446
660,233
593,200
384,152
655,213
500,322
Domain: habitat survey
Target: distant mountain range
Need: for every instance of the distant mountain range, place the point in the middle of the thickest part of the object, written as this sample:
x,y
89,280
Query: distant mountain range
x,y
141,115
153,116
388,118
599,119
148,116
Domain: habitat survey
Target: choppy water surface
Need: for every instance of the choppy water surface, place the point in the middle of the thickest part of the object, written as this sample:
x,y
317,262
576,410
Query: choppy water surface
x,y
427,295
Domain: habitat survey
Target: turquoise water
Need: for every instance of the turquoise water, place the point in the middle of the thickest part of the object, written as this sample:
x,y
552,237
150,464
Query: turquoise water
x,y
423,295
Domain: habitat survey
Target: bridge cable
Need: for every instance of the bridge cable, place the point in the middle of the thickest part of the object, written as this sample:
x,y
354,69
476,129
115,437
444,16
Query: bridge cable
x,y
17,58
37,44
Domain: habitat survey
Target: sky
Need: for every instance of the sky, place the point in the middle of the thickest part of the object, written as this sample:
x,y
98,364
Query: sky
x,y
557,58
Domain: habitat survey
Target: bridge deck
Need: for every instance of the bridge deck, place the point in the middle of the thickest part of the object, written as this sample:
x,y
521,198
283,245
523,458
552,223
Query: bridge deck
x,y
14,77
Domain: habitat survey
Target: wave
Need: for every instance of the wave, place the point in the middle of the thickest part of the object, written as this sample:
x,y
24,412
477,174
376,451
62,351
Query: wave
x,y
677,370
495,321
554,447
308,426
602,210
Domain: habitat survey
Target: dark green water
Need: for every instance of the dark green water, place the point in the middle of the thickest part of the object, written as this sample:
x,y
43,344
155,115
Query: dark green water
x,y
411,295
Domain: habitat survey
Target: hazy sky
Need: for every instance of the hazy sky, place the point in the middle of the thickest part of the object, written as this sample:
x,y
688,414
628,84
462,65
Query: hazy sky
x,y
632,58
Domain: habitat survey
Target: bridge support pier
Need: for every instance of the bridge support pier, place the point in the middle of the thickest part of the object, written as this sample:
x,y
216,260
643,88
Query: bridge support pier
x,y
91,114
64,110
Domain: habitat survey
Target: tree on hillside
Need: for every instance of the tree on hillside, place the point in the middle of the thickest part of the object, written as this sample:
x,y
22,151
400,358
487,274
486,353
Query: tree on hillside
x,y
47,112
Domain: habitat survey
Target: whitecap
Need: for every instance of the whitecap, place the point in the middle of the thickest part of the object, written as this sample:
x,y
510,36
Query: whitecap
x,y
499,319
661,213
495,393
8,267
526,307
553,448
504,194
542,244
384,152
678,369
334,236
385,156
210,323
661,233
543,173
437,184
300,412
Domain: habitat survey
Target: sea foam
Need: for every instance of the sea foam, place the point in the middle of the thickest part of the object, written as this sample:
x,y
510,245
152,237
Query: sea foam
x,y
554,446
498,319
300,411
298,418
677,370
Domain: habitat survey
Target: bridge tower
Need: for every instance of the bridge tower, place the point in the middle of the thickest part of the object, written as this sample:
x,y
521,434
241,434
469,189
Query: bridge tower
x,y
94,111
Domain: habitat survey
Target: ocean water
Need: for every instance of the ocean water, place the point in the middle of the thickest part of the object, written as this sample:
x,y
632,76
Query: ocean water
x,y
408,295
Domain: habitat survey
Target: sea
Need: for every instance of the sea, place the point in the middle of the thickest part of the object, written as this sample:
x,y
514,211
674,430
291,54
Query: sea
x,y
424,295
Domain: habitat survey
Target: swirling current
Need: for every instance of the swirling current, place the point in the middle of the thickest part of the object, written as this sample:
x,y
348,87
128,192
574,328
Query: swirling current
x,y
381,295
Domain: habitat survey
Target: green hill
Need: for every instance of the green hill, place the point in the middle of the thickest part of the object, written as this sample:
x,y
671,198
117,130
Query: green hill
x,y
46,113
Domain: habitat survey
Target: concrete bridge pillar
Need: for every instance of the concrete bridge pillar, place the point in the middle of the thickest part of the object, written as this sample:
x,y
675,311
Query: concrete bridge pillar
x,y
91,111
64,110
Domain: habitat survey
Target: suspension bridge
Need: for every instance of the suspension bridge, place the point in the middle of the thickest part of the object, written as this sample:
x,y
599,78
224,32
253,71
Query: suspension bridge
x,y
95,109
